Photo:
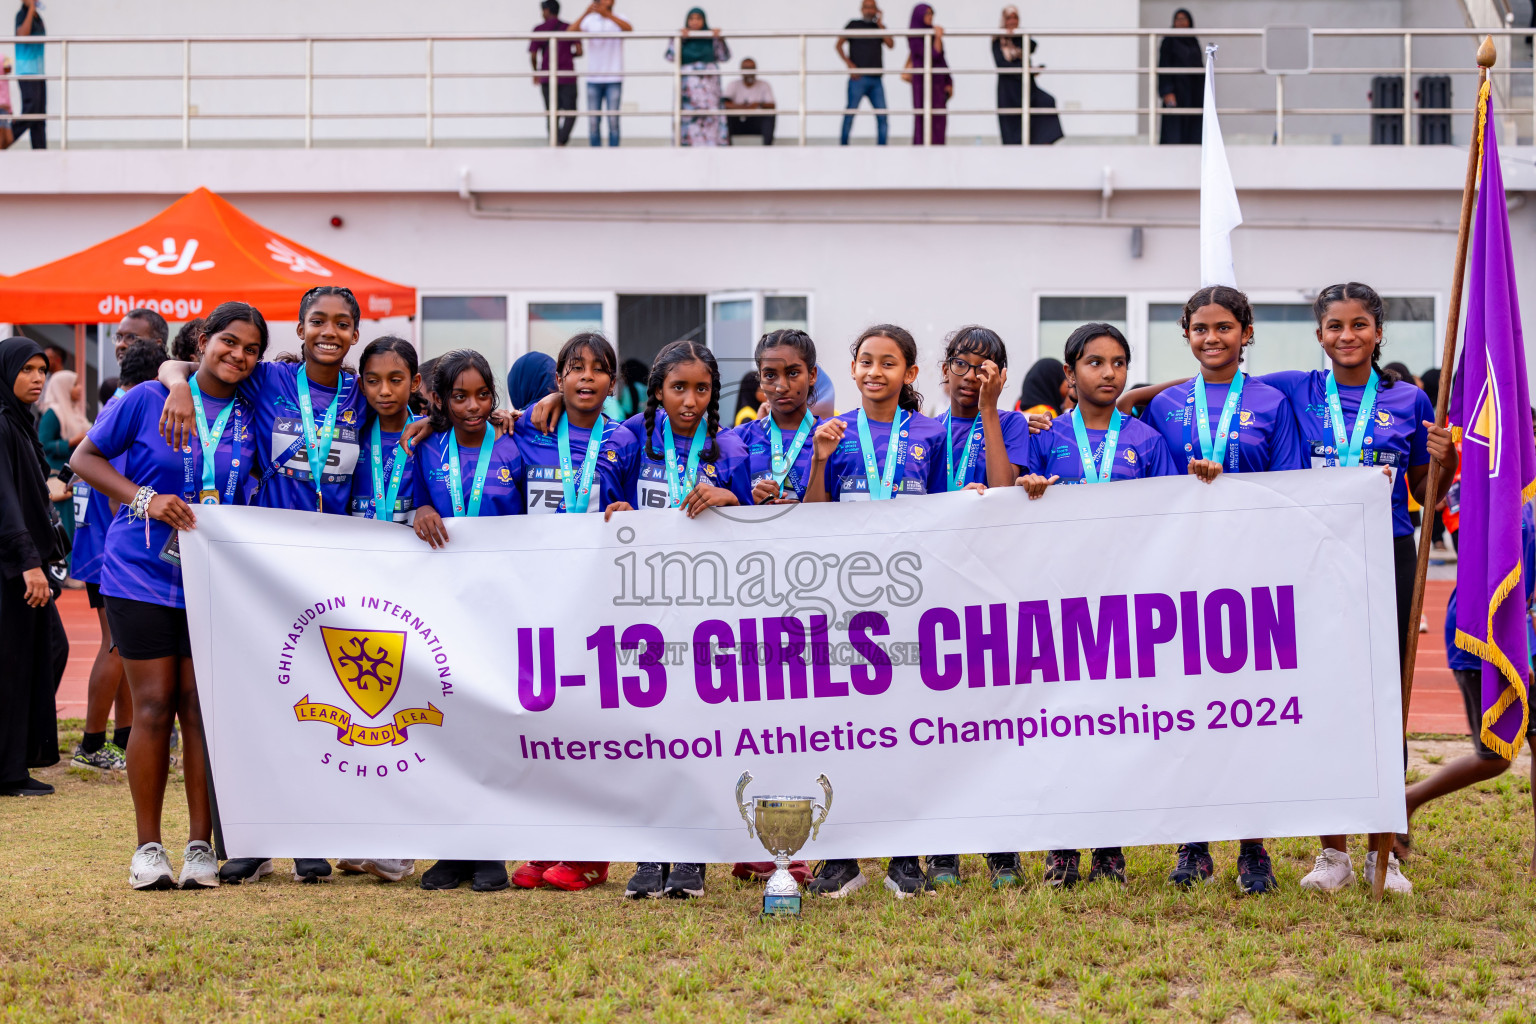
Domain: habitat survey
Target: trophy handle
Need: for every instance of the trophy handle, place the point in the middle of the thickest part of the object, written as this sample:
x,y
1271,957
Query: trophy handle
x,y
826,787
741,787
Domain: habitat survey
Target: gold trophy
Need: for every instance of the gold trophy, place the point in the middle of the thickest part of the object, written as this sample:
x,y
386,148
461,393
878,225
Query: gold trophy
x,y
783,824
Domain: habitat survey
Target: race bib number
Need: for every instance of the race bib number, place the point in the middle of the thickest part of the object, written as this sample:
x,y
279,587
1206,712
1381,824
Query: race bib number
x,y
856,488
546,494
339,464
82,501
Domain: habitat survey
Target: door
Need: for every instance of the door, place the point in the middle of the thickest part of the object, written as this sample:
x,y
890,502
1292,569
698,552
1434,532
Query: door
x,y
731,332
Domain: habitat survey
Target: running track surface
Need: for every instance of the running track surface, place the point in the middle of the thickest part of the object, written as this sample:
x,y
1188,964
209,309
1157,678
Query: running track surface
x,y
1436,705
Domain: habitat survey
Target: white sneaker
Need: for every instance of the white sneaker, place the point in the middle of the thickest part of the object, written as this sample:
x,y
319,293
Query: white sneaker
x,y
199,867
150,868
389,870
1331,872
1396,881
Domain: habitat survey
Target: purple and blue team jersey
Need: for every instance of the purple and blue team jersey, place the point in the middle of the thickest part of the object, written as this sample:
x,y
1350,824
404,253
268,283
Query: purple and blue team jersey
x,y
362,500
93,511
541,465
920,451
1139,452
754,437
1264,429
128,435
644,479
503,495
1397,436
1015,440
282,463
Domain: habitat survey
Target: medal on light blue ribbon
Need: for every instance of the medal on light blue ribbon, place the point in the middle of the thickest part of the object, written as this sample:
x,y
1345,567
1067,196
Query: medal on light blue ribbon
x,y
679,489
208,438
456,479
957,479
385,495
879,483
784,461
317,444
1215,449
1350,451
1094,473
578,495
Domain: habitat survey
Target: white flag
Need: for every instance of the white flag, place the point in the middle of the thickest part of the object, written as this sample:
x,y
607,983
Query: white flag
x,y
1219,212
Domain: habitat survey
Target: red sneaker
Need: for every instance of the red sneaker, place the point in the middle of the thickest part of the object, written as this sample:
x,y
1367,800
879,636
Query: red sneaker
x,y
577,875
531,874
759,870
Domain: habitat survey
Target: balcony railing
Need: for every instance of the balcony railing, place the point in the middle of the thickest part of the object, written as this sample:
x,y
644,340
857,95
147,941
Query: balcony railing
x,y
457,90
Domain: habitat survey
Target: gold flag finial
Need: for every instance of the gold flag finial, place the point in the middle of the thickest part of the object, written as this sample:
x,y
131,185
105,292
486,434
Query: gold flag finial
x,y
1487,56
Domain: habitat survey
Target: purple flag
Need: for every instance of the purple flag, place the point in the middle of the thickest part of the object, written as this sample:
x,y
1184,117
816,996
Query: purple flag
x,y
1490,405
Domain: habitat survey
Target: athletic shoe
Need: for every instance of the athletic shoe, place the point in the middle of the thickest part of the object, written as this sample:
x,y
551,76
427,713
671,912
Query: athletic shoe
x,y
386,870
1396,881
150,868
1005,869
837,878
648,881
107,758
944,869
685,880
311,870
530,874
1109,863
905,879
447,874
489,876
1194,865
27,786
1255,874
199,867
245,869
1331,872
574,876
351,865
1061,868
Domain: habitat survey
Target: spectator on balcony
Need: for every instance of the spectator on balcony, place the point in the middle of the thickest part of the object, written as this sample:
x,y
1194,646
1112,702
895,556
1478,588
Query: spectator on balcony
x,y
703,50
942,87
605,67
864,52
29,61
1008,52
6,138
750,93
566,52
1183,90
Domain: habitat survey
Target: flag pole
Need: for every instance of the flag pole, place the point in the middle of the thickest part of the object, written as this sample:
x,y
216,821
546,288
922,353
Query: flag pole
x,y
1486,57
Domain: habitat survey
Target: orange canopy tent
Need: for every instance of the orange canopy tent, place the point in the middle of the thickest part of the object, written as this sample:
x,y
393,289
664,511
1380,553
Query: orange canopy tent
x,y
200,251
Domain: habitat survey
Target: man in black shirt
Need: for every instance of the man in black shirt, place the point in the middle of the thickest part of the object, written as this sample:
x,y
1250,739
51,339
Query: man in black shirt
x,y
864,52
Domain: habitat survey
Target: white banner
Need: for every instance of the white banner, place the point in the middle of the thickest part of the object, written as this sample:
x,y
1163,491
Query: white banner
x,y
1153,661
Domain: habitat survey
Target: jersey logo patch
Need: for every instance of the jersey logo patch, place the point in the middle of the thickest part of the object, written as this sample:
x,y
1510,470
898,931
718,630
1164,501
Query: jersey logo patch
x,y
504,475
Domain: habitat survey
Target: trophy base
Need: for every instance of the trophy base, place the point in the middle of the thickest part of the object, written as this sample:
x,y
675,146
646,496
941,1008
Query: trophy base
x,y
781,906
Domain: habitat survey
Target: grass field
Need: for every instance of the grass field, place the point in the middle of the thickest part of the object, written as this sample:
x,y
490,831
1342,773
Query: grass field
x,y
77,944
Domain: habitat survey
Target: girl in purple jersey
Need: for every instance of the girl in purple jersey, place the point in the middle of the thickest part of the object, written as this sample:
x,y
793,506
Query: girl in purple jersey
x,y
778,446
141,574
986,447
383,486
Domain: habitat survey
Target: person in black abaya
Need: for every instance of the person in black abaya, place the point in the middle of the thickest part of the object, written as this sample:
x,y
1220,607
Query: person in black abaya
x,y
1008,52
1181,90
29,619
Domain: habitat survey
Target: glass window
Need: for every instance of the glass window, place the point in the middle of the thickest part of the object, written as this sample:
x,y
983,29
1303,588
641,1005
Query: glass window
x,y
467,321
786,312
551,324
1284,338
1409,334
1060,315
1167,356
731,337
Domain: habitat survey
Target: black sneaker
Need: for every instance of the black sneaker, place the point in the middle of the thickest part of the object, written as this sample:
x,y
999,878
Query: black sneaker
x,y
244,869
1005,870
648,881
448,874
310,870
836,879
1109,863
488,875
905,878
944,869
27,786
685,880
1194,865
1061,868
1255,874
